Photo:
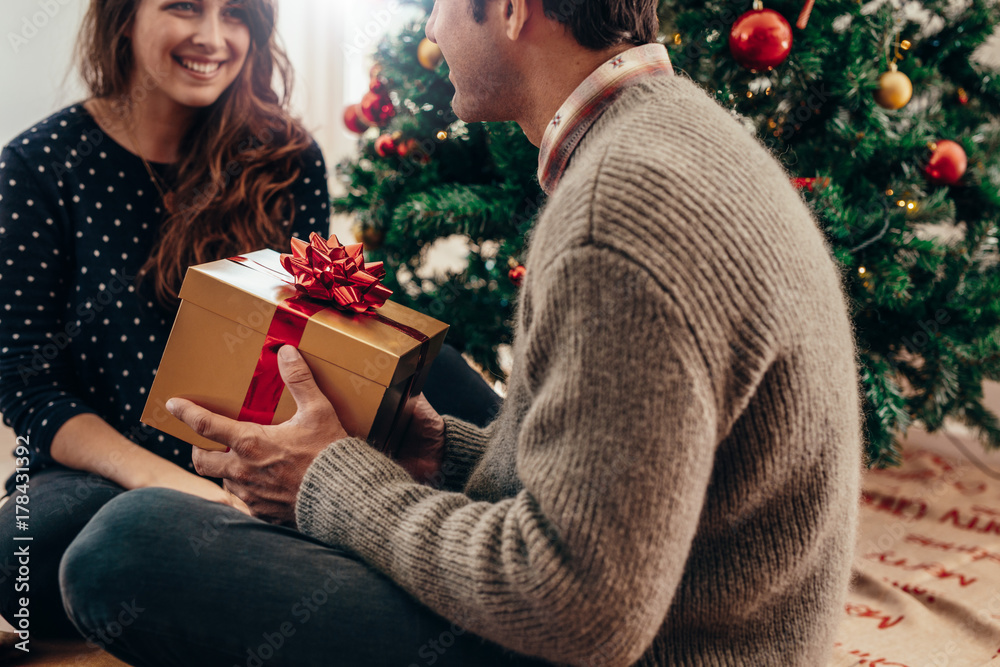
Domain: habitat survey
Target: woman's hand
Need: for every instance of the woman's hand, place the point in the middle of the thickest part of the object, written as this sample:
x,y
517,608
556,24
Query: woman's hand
x,y
86,442
186,482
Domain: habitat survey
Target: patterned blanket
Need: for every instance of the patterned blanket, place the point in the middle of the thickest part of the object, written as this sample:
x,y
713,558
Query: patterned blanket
x,y
926,585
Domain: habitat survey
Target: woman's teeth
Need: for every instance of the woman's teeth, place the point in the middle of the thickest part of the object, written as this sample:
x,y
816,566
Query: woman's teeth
x,y
201,68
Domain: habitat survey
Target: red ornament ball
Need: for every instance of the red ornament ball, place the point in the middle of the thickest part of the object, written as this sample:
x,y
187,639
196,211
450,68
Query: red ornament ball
x,y
947,164
379,85
385,145
760,39
810,183
354,120
413,150
517,274
407,147
377,109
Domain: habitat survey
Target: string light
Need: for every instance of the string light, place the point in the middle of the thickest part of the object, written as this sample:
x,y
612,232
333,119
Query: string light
x,y
889,192
677,38
894,44
442,135
861,271
901,203
905,44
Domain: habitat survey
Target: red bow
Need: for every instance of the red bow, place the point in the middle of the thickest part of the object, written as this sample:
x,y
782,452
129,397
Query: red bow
x,y
328,271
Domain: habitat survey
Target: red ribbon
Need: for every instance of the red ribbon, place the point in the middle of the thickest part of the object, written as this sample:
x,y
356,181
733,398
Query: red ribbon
x,y
312,272
266,385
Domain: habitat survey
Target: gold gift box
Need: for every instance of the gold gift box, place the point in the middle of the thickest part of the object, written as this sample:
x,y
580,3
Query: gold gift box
x,y
363,365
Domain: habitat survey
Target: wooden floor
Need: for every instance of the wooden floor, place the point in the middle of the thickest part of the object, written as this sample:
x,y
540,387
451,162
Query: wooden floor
x,y
58,654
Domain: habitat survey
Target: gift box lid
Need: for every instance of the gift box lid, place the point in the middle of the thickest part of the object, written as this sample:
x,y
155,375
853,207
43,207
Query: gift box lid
x,y
249,290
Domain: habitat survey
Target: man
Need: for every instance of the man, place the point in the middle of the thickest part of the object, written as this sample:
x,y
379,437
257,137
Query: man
x,y
673,476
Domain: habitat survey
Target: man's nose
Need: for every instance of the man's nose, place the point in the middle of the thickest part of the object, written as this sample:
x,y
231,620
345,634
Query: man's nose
x,y
429,30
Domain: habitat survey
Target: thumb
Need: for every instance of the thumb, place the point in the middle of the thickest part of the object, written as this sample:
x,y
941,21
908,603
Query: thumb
x,y
298,378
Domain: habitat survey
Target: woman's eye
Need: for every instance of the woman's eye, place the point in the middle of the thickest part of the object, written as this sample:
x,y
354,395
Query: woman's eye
x,y
182,6
236,12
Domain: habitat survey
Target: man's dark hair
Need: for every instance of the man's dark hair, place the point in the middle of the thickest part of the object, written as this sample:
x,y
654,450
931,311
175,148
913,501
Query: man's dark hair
x,y
597,24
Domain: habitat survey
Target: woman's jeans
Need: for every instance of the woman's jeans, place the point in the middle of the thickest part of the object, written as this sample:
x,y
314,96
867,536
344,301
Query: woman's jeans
x,y
161,577
64,501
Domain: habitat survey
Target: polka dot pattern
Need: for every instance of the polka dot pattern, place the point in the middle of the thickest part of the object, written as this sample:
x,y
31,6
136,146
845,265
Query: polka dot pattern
x,y
78,217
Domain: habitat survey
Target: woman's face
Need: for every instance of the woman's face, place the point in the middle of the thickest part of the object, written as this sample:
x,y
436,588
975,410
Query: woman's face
x,y
189,52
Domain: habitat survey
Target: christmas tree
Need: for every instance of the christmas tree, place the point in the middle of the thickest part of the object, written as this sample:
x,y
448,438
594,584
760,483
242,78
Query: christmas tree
x,y
879,111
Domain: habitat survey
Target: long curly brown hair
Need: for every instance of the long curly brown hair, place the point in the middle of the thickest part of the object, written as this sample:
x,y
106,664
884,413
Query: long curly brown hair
x,y
238,158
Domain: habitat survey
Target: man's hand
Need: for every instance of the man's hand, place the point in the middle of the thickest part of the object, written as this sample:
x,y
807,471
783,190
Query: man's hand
x,y
266,464
422,449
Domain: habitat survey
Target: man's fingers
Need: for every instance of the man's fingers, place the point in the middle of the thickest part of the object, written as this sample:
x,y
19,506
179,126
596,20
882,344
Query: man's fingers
x,y
212,464
223,430
299,379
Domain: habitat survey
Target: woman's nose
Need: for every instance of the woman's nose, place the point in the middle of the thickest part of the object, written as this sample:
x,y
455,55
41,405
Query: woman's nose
x,y
209,31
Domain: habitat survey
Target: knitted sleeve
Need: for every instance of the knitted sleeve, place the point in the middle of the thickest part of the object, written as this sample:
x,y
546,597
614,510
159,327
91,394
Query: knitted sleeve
x,y
38,385
580,567
464,446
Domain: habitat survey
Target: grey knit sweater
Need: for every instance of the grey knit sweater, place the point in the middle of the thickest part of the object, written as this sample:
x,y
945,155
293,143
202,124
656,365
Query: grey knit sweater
x,y
673,478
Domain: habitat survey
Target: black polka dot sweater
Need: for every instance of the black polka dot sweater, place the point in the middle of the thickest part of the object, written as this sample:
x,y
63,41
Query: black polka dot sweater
x,y
79,215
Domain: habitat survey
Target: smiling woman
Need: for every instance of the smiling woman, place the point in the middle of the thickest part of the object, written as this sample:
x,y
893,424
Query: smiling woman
x,y
185,152
175,64
197,50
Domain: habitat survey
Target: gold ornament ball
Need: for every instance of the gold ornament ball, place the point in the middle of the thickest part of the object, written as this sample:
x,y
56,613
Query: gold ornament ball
x,y
372,238
429,54
894,90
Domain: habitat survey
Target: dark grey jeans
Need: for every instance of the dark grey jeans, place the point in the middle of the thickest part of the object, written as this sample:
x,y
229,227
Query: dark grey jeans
x,y
64,500
159,577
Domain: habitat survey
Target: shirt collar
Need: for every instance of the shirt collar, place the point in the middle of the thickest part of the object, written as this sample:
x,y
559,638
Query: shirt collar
x,y
586,104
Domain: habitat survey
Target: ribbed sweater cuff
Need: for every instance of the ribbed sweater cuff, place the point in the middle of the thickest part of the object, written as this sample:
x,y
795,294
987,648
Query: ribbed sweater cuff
x,y
347,498
464,446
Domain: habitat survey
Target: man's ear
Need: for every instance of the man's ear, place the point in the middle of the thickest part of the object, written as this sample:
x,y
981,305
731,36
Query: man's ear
x,y
515,16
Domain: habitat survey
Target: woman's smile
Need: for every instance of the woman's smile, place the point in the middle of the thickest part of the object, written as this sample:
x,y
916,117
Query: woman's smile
x,y
204,69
